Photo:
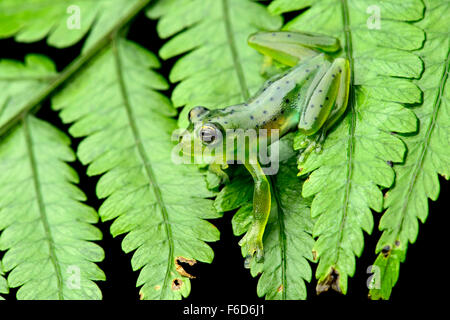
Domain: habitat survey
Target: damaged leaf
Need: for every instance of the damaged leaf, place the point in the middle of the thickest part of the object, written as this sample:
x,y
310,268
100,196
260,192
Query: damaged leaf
x,y
287,238
428,153
345,179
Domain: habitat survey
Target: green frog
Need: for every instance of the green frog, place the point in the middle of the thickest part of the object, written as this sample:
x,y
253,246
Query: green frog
x,y
310,96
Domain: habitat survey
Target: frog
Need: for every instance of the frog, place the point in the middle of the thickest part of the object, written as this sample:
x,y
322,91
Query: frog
x,y
309,97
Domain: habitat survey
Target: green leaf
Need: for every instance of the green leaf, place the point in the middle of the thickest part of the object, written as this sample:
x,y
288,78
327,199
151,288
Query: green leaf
x,y
215,35
3,285
19,82
37,79
218,68
345,177
159,205
62,22
43,220
287,240
428,154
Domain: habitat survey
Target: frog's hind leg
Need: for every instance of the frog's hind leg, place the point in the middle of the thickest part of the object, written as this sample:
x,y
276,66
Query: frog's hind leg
x,y
326,105
252,242
290,48
340,105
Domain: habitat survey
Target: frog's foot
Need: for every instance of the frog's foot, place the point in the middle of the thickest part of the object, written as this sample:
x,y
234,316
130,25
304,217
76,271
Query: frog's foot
x,y
320,140
224,178
310,145
252,246
218,171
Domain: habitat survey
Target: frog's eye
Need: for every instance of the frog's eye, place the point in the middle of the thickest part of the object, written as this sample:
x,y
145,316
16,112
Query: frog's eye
x,y
196,112
209,134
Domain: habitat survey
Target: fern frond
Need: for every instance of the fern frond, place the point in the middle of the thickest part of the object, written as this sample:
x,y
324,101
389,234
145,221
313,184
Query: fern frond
x,y
287,240
62,22
160,205
46,229
220,68
38,74
345,177
428,154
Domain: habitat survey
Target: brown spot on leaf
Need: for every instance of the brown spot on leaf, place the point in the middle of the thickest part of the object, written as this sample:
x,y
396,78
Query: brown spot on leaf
x,y
176,284
280,288
314,253
157,287
331,281
141,295
180,269
397,243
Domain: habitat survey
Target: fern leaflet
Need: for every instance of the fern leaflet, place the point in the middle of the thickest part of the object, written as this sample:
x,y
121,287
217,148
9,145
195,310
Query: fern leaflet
x,y
428,155
42,219
158,204
344,178
20,82
63,22
3,284
24,20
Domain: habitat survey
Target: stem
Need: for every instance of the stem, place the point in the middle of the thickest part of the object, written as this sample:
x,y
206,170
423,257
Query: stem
x,y
34,104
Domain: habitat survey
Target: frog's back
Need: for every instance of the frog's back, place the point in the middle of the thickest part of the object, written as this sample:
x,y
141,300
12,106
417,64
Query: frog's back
x,y
277,105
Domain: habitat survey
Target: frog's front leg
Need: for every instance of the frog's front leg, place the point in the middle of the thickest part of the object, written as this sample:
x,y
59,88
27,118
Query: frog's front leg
x,y
252,242
326,105
217,169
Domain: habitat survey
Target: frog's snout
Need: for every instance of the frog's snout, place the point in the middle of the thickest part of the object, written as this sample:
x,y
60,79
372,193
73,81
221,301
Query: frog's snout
x,y
251,38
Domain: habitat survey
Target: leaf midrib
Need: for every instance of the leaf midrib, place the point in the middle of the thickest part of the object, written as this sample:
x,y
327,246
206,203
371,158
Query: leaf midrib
x,y
351,138
48,78
145,161
281,226
426,142
233,50
41,205
34,104
246,95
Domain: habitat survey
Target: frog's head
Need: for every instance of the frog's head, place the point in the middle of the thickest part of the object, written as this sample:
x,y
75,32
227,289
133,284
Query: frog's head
x,y
204,136
203,128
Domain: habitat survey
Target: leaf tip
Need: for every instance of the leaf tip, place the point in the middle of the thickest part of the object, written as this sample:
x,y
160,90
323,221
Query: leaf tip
x,y
331,281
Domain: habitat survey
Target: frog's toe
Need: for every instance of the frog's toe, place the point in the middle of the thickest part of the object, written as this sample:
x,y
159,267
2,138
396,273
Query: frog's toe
x,y
247,261
314,144
253,248
305,153
318,148
259,252
225,178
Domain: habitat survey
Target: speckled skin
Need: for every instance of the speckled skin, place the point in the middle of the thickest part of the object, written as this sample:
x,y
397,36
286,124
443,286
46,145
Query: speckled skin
x,y
278,105
303,98
310,97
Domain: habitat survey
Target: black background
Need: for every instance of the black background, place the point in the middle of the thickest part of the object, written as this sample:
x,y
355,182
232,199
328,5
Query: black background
x,y
421,276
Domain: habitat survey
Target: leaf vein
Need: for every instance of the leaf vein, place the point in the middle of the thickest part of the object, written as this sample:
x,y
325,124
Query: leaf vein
x,y
145,160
